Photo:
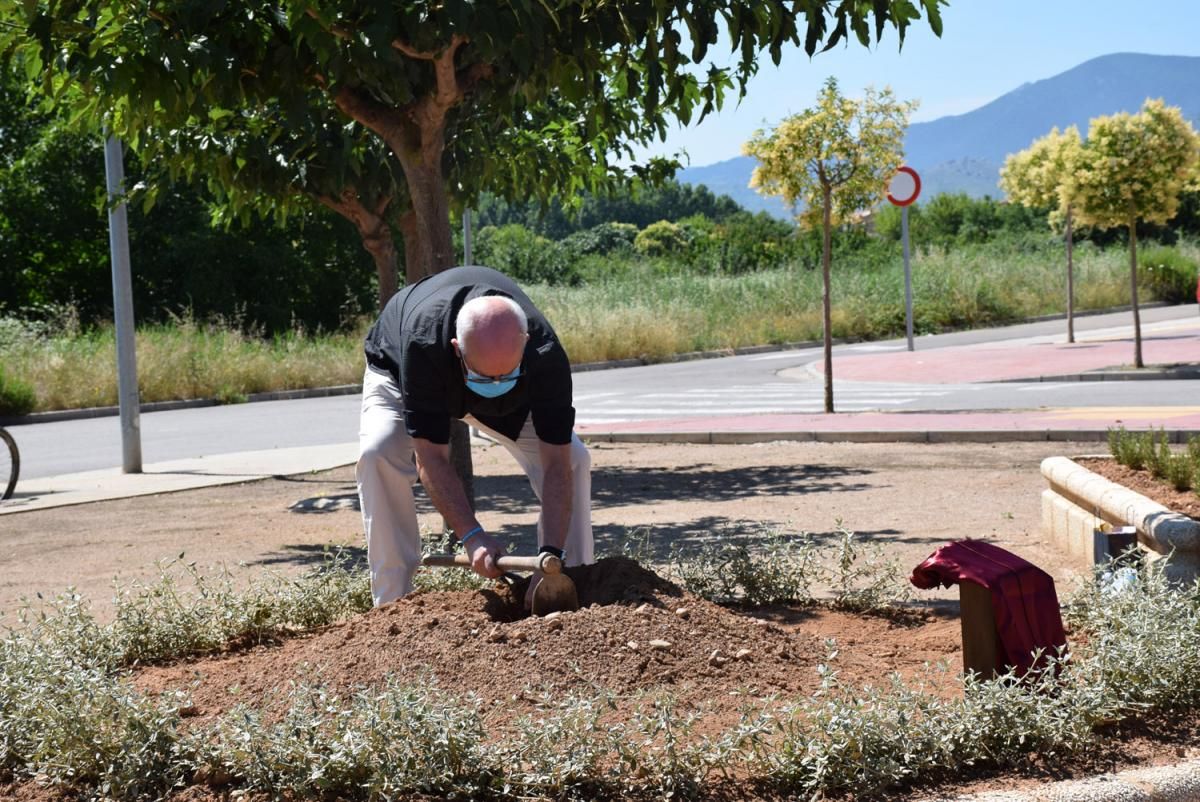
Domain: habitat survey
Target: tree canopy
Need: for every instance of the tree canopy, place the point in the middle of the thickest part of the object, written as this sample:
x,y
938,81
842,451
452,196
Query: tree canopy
x,y
416,74
1040,176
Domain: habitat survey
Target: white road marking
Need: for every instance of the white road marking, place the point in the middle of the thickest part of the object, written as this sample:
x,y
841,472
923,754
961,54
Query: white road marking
x,y
787,355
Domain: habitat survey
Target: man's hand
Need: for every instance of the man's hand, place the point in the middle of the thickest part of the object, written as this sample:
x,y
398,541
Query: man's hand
x,y
483,549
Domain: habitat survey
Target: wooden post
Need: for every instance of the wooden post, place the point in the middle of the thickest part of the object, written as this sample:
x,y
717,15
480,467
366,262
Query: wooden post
x,y
981,643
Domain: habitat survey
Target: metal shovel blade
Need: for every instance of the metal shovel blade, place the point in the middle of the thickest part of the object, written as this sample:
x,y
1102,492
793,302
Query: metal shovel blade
x,y
554,594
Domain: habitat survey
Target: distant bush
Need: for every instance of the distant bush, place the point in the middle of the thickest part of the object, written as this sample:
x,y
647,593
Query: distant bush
x,y
741,243
525,256
602,239
1168,274
16,397
661,239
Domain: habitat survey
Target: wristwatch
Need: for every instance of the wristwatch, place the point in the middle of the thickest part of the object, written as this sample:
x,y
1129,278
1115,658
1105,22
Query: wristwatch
x,y
559,553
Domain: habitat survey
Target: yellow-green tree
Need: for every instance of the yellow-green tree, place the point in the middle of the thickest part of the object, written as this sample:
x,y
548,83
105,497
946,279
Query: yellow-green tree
x,y
1133,168
835,159
1040,176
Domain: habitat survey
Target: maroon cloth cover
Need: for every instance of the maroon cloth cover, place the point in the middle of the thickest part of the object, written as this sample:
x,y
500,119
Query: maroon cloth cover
x,y
1023,597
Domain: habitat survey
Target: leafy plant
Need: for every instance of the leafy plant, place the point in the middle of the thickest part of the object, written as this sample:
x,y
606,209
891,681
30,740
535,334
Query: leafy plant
x,y
16,396
1169,275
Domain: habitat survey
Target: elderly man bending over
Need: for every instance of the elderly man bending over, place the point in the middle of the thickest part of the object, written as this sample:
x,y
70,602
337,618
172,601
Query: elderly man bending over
x,y
465,343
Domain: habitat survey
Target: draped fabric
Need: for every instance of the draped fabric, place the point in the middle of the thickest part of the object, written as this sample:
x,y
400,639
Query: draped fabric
x,y
1024,602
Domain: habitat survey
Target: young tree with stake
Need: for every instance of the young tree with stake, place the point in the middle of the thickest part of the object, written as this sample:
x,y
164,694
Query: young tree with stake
x,y
836,159
1040,176
1133,168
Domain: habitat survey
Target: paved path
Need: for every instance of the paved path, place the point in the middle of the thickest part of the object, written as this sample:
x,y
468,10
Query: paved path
x,y
874,379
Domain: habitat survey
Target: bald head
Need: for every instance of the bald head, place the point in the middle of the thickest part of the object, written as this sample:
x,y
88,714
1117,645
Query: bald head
x,y
491,334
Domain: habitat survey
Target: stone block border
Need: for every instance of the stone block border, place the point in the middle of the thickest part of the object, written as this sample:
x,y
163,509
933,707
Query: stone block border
x,y
1078,501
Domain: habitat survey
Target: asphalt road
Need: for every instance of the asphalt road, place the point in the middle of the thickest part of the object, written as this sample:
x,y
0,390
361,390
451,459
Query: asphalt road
x,y
773,382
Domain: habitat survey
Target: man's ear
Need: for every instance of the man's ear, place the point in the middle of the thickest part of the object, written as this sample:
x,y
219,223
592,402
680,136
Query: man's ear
x,y
454,342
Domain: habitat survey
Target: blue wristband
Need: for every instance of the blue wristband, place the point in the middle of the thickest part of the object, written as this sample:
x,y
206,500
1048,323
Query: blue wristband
x,y
476,531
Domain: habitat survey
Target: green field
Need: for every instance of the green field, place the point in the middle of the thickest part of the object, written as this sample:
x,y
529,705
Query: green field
x,y
634,308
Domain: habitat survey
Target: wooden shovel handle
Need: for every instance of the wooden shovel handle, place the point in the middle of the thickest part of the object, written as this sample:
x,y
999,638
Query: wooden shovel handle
x,y
546,563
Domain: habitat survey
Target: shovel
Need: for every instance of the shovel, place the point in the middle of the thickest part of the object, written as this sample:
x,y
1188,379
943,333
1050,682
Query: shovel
x,y
555,593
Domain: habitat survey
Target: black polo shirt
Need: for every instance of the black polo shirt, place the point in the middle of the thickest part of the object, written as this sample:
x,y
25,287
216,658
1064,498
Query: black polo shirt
x,y
411,341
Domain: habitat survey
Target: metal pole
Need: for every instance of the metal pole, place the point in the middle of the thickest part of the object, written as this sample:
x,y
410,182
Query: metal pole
x,y
467,237
118,243
908,312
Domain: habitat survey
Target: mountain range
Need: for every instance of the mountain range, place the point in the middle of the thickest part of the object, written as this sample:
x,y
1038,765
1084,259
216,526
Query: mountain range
x,y
964,152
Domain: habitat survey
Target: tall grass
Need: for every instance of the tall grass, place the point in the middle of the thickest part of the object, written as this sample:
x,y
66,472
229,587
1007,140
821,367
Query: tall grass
x,y
182,360
651,313
633,308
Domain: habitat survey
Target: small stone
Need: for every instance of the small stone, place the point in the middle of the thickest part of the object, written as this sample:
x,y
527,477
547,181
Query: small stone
x,y
683,612
212,776
717,659
553,625
742,654
516,635
394,629
496,636
551,616
633,645
660,645
431,623
474,631
642,609
761,622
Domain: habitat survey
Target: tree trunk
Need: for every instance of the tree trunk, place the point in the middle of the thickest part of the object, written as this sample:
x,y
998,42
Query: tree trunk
x,y
375,232
412,247
383,250
826,315
1070,280
427,188
1137,318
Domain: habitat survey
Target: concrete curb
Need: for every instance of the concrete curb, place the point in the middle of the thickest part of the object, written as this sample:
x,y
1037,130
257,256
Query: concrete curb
x,y
870,436
1176,783
1188,372
166,406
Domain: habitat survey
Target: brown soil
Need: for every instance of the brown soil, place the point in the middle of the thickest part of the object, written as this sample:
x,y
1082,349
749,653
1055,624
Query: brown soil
x,y
907,498
1184,502
635,632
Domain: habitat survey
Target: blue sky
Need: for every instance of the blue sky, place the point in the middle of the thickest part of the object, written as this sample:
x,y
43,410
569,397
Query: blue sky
x,y
988,47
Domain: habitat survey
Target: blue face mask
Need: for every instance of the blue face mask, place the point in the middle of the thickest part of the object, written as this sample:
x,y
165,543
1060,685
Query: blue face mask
x,y
491,388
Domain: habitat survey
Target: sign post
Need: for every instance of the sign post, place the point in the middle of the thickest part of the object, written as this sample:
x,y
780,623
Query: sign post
x,y
118,241
903,190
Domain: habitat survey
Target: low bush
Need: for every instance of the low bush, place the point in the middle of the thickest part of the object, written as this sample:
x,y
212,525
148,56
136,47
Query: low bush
x,y
70,717
663,238
601,240
1169,275
1151,451
525,256
789,570
17,397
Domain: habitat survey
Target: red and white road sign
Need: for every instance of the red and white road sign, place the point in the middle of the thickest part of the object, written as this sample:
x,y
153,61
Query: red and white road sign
x,y
905,187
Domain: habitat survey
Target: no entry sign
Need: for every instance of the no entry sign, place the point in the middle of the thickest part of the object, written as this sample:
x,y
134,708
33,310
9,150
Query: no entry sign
x,y
905,187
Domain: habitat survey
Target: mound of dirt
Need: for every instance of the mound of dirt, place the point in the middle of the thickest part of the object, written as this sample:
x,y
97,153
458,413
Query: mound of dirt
x,y
634,632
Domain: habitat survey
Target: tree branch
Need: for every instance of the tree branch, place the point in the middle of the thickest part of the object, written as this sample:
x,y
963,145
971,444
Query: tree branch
x,y
340,31
380,118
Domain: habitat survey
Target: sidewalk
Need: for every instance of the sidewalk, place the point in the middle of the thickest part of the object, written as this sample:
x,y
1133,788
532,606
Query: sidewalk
x,y
1171,350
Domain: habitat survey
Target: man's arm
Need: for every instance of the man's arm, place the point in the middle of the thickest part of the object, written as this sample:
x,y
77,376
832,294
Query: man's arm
x,y
446,492
557,492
